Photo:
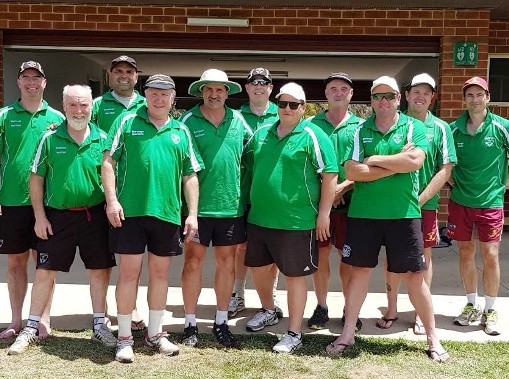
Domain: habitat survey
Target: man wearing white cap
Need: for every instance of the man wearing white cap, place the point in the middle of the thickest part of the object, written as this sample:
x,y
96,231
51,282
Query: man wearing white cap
x,y
383,158
476,206
434,173
220,134
294,179
157,160
22,124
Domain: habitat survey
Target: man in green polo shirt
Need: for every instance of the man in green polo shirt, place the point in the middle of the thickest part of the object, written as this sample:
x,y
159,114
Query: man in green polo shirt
x,y
257,112
294,178
122,77
337,121
156,159
434,173
382,158
68,202
22,124
476,206
220,134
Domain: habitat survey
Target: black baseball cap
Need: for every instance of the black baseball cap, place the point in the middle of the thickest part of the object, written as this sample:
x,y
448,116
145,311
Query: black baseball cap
x,y
31,65
124,59
260,71
159,81
339,75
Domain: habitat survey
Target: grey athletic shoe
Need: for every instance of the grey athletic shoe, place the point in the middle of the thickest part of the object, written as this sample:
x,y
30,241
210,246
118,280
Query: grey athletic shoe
x,y
125,353
161,342
236,305
24,339
490,321
469,315
288,344
104,336
261,319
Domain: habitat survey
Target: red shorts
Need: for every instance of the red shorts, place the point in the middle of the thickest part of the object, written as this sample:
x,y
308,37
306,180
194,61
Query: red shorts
x,y
467,223
429,228
337,231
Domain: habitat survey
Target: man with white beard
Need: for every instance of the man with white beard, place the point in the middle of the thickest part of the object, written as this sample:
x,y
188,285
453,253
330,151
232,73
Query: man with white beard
x,y
69,208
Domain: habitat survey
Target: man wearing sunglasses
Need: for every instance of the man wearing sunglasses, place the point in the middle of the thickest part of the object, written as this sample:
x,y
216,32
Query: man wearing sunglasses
x,y
294,178
383,158
257,112
337,121
436,170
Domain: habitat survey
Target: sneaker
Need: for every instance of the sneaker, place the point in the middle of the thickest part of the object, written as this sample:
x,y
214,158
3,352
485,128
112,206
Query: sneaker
x,y
319,318
104,336
278,309
162,342
224,336
125,353
25,338
358,324
190,337
237,304
261,319
288,344
489,320
469,315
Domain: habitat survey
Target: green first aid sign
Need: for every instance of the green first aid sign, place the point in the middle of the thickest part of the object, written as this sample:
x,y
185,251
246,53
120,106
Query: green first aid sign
x,y
465,53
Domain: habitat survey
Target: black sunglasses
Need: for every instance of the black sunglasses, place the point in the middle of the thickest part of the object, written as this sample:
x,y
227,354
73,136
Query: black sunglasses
x,y
292,104
385,95
260,82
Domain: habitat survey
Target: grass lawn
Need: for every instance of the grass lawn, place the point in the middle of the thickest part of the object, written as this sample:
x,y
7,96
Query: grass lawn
x,y
74,355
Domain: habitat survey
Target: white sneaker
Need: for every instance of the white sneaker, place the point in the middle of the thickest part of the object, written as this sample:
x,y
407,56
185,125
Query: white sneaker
x,y
24,339
161,342
104,336
490,321
236,305
261,319
288,344
125,353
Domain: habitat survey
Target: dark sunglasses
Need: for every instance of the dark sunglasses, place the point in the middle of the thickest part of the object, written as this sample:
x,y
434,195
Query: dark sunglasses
x,y
292,104
260,82
386,95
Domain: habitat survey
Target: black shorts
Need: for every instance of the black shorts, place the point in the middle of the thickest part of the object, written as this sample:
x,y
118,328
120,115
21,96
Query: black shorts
x,y
295,252
85,229
402,239
17,233
161,238
220,231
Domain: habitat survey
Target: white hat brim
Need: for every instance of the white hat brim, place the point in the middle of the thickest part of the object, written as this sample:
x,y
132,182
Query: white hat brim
x,y
195,87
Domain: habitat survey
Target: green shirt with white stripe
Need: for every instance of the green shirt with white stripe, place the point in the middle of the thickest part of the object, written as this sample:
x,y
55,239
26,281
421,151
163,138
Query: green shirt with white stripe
x,y
221,149
71,171
481,173
20,131
396,196
151,164
440,151
339,134
285,192
106,109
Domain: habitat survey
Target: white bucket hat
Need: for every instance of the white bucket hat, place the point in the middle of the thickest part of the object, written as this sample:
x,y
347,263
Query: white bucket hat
x,y
214,76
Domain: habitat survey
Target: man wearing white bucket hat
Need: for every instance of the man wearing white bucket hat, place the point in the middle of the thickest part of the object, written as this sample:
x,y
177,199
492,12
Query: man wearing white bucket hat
x,y
220,135
294,180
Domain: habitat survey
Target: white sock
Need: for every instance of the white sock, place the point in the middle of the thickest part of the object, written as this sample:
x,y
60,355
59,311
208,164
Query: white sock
x,y
190,320
124,325
472,298
33,322
221,317
240,286
489,302
98,319
155,322
274,287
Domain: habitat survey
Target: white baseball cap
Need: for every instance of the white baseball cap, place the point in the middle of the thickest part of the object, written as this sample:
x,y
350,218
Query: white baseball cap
x,y
423,79
292,89
388,81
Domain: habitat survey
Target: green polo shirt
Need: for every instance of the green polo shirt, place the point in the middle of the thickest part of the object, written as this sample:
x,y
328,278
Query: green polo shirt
x,y
393,197
20,131
440,151
339,134
481,173
71,171
285,192
106,109
151,164
221,149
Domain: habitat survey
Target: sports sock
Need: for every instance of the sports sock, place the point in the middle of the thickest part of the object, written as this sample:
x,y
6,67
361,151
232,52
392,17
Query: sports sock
x,y
190,319
124,325
221,317
98,319
155,322
489,302
472,298
240,286
33,323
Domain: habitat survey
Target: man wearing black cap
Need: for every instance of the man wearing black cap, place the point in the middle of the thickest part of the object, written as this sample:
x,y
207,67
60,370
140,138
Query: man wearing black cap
x,y
122,77
22,124
156,158
337,122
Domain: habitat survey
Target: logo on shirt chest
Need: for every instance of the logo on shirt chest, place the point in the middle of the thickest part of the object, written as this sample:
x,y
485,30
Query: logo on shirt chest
x,y
61,149
15,123
367,139
398,138
137,132
460,145
489,141
175,138
108,111
199,133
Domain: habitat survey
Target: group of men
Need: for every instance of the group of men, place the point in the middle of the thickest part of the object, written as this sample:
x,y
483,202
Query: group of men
x,y
270,190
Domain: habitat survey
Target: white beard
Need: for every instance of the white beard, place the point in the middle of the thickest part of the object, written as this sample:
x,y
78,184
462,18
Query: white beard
x,y
77,124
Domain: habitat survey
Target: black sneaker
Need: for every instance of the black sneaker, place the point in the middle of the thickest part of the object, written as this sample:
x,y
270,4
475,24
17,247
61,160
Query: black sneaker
x,y
319,318
190,337
358,324
224,336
